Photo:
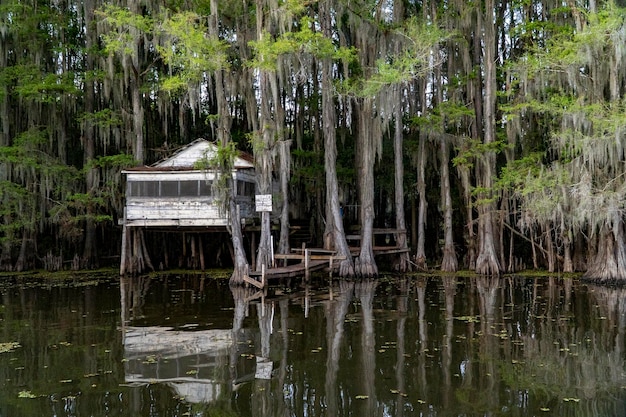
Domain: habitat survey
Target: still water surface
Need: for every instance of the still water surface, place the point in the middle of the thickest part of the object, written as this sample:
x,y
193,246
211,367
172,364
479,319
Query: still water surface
x,y
427,346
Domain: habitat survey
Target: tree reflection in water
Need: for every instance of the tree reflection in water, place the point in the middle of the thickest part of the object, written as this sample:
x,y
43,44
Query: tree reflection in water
x,y
367,404
436,346
336,310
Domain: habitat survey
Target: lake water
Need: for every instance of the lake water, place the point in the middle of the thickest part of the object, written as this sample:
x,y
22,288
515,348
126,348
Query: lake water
x,y
420,346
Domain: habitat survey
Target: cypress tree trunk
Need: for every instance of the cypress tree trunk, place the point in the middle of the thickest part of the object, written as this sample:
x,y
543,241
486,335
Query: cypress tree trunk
x,y
334,221
420,250
402,263
449,263
89,146
264,141
284,172
487,262
240,261
241,268
365,265
22,259
609,263
568,263
420,253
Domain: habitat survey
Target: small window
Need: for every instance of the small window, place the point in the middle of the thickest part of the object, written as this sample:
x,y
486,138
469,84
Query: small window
x,y
206,188
169,188
245,188
189,188
240,188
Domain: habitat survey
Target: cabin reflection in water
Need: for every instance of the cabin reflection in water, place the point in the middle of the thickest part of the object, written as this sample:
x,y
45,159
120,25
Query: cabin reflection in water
x,y
185,360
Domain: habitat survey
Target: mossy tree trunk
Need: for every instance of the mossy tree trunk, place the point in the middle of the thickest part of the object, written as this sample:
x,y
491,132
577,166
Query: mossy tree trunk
x,y
334,231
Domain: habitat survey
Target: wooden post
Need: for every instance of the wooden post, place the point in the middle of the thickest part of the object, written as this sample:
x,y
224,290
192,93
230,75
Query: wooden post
x,y
201,253
306,264
123,256
253,249
330,267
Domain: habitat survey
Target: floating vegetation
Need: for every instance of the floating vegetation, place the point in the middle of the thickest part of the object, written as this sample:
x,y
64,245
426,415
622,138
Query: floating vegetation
x,y
9,347
26,394
469,319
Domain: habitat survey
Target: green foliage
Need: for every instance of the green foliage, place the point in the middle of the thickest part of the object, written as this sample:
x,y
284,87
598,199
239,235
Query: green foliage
x,y
125,27
515,175
303,41
105,119
16,208
443,118
222,161
186,48
28,82
308,168
202,7
180,39
70,215
117,162
414,61
473,149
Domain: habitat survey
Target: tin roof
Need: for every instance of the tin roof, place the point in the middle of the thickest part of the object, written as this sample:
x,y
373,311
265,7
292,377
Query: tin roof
x,y
186,157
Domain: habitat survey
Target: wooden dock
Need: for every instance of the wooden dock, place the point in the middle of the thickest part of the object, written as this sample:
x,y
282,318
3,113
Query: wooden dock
x,y
308,260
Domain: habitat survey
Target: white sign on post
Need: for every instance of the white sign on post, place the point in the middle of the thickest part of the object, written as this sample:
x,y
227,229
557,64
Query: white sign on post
x,y
263,202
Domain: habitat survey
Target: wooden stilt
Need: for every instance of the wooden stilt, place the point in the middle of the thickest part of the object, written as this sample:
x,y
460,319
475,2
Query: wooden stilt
x,y
253,249
145,256
330,267
201,253
263,275
123,255
306,264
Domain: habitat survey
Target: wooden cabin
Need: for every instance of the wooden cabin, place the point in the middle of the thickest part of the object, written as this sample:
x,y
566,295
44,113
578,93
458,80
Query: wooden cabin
x,y
174,193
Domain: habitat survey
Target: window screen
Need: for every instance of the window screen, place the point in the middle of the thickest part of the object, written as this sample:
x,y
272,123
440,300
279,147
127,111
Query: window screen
x,y
169,188
189,188
205,187
143,188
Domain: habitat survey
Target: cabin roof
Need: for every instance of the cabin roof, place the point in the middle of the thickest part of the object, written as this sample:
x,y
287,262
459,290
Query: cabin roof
x,y
186,157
